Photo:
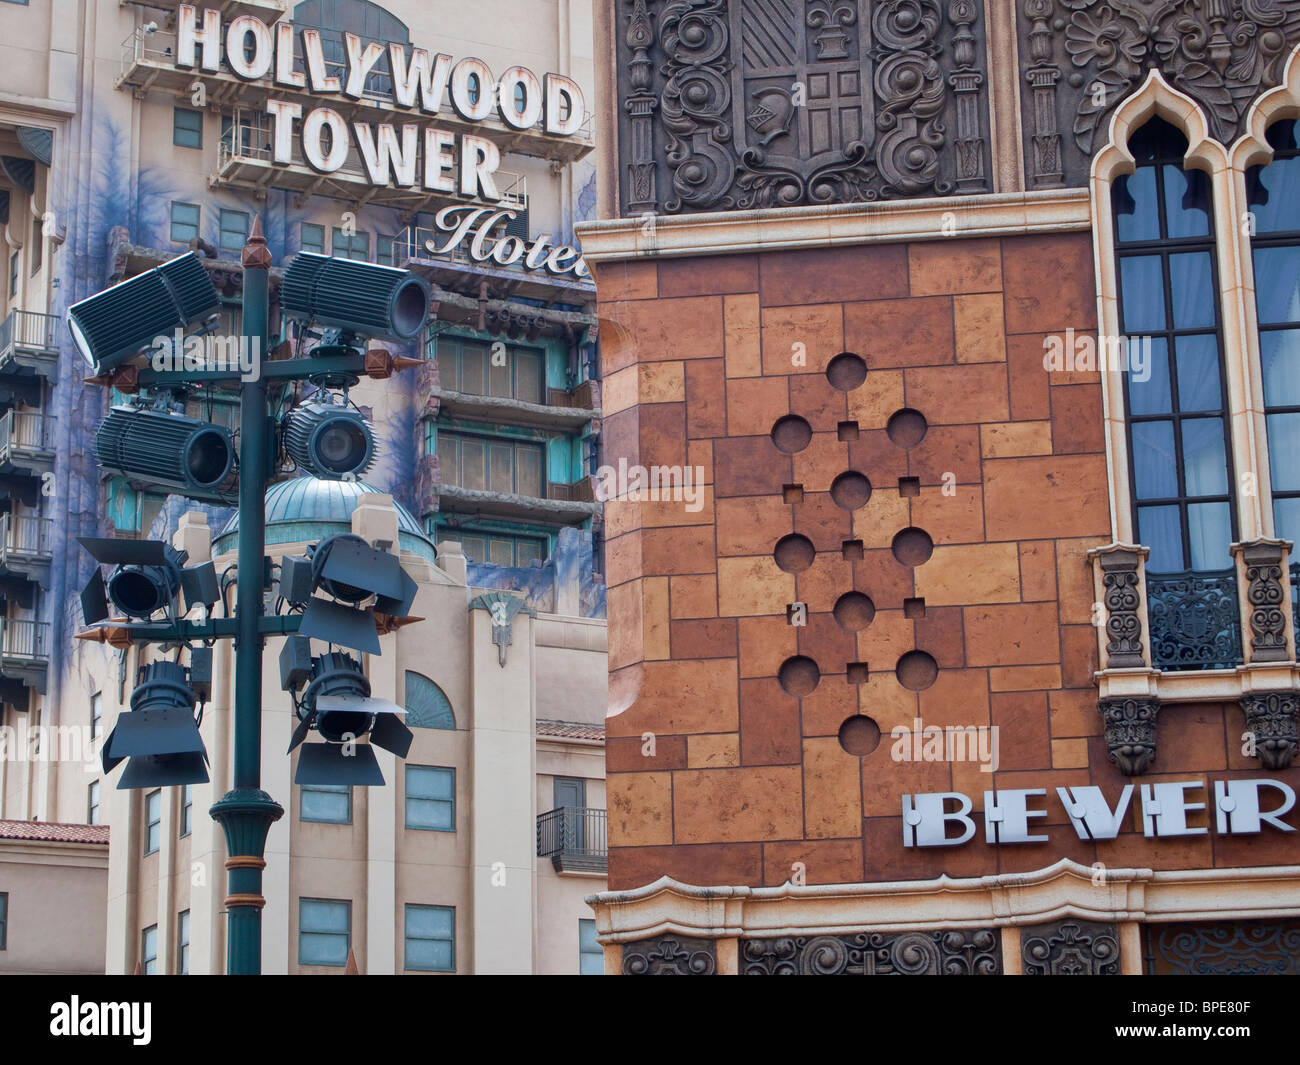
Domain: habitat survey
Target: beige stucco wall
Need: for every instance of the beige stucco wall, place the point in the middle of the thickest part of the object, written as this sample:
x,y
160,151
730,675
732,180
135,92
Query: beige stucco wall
x,y
56,916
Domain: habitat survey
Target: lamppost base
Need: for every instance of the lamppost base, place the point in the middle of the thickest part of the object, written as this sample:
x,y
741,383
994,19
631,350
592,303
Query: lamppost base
x,y
246,816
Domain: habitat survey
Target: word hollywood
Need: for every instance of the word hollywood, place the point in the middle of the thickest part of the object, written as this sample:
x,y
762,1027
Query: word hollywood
x,y
254,51
1238,811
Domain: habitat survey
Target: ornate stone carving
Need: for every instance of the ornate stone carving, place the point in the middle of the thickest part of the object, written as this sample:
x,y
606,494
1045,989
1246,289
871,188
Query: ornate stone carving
x,y
1122,599
1226,948
769,103
670,955
1130,729
502,606
1221,54
947,953
1070,947
1266,594
1273,719
1195,620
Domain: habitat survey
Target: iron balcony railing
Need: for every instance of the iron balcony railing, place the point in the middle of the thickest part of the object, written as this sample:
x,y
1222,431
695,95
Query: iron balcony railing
x,y
24,640
29,432
1195,620
28,331
24,537
573,837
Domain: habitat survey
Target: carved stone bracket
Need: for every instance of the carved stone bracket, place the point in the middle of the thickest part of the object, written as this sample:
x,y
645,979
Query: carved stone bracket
x,y
1130,730
1263,566
943,953
1122,598
1273,721
670,955
1071,947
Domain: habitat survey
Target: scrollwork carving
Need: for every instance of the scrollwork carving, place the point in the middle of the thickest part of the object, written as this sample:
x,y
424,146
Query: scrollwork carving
x,y
670,955
1070,948
951,953
1130,731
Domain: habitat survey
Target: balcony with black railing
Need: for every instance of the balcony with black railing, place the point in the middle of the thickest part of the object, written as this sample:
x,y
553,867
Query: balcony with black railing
x,y
574,838
29,339
25,546
24,657
1195,620
26,442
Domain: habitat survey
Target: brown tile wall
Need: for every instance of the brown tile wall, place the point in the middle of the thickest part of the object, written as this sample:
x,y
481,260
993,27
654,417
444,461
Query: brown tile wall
x,y
716,774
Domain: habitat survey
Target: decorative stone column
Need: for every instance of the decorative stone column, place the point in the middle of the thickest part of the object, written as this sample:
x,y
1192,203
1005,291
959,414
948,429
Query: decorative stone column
x,y
1273,719
1122,598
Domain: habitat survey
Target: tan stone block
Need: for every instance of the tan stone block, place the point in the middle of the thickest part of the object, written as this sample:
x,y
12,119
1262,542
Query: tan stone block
x,y
1024,678
754,405
880,520
955,395
623,611
938,267
819,328
874,401
1075,590
753,585
640,807
751,525
958,698
1070,754
623,558
668,512
972,573
817,465
829,577
621,517
1043,498
1037,571
765,642
694,596
661,382
831,784
618,391
700,456
687,695
882,643
1074,713
655,638
888,703
916,331
950,519
665,330
626,279
1001,440
1012,634
713,751
980,334
744,357
738,805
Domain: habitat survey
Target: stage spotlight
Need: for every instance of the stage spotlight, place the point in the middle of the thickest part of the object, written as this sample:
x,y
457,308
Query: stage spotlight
x,y
356,297
193,458
148,576
329,440
113,326
159,736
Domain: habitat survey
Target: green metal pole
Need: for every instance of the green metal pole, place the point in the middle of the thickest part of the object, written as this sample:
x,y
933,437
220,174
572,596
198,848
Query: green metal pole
x,y
246,812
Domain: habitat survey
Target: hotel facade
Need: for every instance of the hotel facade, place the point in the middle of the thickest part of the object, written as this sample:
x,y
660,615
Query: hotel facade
x,y
456,142
982,323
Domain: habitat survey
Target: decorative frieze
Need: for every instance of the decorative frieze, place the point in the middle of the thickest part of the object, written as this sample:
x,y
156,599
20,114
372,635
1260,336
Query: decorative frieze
x,y
1070,947
670,955
1273,723
1130,731
941,953
1081,58
750,104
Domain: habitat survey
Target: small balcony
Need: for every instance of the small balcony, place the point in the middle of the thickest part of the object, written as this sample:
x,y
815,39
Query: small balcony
x,y
574,838
24,657
26,442
25,546
1195,620
29,339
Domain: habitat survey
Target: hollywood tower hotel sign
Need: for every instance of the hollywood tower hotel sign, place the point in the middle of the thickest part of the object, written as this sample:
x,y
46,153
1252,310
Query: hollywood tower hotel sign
x,y
411,155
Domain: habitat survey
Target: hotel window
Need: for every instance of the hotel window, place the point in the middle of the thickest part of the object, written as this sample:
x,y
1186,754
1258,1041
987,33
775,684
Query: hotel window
x,y
355,246
430,939
13,275
324,931
187,810
1180,471
4,920
153,821
329,804
311,237
495,548
427,706
431,798
92,803
149,950
1273,194
183,943
234,230
468,366
490,464
96,715
185,222
187,128
38,245
385,251
591,955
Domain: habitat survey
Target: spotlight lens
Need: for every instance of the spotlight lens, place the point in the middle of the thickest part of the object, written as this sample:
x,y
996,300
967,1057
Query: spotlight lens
x,y
340,447
135,593
339,725
209,458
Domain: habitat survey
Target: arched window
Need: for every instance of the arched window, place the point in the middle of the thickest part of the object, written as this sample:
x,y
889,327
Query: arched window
x,y
1273,194
369,21
1180,460
426,705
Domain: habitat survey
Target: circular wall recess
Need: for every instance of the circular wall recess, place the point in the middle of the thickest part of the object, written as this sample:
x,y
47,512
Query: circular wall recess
x,y
846,371
850,490
854,611
859,735
916,671
907,427
794,553
798,676
912,546
791,434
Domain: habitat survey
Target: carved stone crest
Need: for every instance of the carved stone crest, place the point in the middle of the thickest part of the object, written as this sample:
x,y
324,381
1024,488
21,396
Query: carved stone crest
x,y
1130,728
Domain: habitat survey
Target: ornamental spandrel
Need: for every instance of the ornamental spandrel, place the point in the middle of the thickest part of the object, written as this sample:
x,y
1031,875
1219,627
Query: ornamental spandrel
x,y
742,104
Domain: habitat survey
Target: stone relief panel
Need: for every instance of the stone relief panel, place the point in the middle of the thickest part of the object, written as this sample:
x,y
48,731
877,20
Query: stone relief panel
x,y
670,955
1079,59
1071,947
743,104
977,952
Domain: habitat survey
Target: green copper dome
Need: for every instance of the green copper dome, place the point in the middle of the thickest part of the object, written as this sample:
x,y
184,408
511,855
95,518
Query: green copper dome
x,y
308,508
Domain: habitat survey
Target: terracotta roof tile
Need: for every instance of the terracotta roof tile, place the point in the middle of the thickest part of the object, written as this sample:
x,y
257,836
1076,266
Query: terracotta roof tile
x,y
570,730
54,832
